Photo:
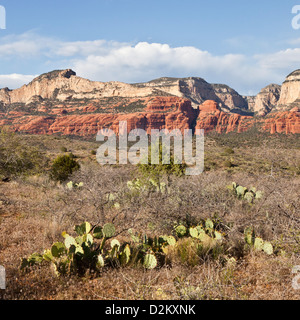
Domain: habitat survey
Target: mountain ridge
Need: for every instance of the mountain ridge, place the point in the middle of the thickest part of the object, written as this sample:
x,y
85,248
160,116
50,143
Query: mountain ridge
x,y
61,102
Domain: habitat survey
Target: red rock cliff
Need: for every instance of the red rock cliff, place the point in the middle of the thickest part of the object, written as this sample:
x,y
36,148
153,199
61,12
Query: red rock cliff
x,y
154,113
159,113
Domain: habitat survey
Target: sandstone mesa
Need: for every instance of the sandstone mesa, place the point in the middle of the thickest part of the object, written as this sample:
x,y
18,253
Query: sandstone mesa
x,y
59,102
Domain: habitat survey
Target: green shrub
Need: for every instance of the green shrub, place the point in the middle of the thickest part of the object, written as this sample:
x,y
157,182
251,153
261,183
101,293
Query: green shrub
x,y
229,151
62,167
228,164
157,170
63,149
16,157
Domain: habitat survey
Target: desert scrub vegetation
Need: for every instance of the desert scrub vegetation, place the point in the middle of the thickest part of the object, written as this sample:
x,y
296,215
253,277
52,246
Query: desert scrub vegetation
x,y
201,237
63,166
16,157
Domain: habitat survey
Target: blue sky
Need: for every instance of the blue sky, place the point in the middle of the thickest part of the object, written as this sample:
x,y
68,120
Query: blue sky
x,y
245,44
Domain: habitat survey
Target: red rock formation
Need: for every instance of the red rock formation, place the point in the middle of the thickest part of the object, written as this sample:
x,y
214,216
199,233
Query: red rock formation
x,y
212,118
159,113
283,122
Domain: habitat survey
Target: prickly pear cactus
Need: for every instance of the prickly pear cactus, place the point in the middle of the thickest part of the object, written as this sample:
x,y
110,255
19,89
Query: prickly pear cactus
x,y
115,243
249,235
200,229
58,249
193,232
109,230
267,247
125,255
70,185
47,256
249,196
240,191
258,195
100,262
258,244
135,184
180,231
209,224
246,194
35,258
171,241
98,232
150,261
82,229
218,235
70,241
206,240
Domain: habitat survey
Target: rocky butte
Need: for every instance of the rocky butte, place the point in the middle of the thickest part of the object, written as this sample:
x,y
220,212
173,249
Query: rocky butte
x,y
60,102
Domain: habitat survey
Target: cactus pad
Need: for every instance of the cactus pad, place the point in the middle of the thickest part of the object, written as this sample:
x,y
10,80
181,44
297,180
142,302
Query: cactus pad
x,y
181,231
150,261
267,248
193,232
109,230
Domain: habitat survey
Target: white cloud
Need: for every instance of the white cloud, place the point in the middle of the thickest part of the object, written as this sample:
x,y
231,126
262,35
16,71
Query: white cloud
x,y
146,61
294,41
25,45
289,58
14,80
103,60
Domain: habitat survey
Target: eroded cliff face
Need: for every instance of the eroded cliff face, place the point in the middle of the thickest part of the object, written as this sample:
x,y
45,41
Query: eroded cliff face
x,y
212,118
158,113
230,99
290,91
197,90
283,122
267,99
64,85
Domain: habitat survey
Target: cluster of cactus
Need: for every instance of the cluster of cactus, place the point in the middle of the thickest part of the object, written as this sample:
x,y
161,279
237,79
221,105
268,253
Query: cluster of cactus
x,y
135,184
244,193
83,252
205,232
150,185
111,197
157,185
258,244
71,185
149,247
88,250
